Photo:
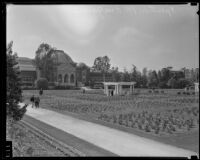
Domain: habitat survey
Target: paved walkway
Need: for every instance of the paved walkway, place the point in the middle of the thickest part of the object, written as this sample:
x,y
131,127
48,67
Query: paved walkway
x,y
115,141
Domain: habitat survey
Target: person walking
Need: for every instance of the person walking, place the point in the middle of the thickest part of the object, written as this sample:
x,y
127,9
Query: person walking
x,y
112,92
37,102
32,100
41,91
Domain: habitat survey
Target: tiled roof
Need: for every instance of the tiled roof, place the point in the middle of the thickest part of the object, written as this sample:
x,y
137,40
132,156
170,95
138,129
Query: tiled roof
x,y
27,68
25,64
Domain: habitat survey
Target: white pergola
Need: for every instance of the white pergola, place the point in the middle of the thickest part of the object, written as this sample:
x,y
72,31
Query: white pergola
x,y
196,85
118,87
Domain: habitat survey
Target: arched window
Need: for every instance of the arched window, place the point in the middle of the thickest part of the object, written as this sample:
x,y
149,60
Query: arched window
x,y
60,78
72,78
66,78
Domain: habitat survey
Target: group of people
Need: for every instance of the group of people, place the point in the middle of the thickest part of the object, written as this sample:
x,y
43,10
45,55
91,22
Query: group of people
x,y
35,100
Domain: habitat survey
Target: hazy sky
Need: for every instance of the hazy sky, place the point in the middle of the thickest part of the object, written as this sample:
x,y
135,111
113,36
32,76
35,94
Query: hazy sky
x,y
144,35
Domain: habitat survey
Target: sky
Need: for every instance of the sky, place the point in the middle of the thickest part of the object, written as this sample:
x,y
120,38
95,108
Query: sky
x,y
152,36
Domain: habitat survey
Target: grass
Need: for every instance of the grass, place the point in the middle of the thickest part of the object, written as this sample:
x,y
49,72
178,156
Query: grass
x,y
161,116
27,144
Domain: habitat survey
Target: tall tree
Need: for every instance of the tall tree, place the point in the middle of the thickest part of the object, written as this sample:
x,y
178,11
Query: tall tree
x,y
102,64
144,71
82,71
159,76
115,74
144,77
134,73
44,61
172,83
152,79
13,85
125,76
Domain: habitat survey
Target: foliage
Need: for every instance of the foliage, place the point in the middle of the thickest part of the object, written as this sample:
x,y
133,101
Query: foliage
x,y
14,92
44,61
152,79
115,74
42,83
102,64
172,83
182,83
125,76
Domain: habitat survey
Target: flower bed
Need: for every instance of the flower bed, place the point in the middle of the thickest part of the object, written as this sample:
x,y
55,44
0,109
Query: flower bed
x,y
158,114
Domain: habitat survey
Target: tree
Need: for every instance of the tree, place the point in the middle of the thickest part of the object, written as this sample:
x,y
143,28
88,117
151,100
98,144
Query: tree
x,y
44,61
14,92
102,64
136,76
134,73
152,79
82,71
144,77
42,83
159,76
125,76
182,83
165,74
172,83
115,74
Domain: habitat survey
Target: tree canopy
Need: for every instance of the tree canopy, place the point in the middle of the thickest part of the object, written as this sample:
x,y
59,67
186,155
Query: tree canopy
x,y
14,92
44,60
102,64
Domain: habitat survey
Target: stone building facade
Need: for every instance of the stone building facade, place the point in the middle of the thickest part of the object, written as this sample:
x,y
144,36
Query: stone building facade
x,y
64,72
27,70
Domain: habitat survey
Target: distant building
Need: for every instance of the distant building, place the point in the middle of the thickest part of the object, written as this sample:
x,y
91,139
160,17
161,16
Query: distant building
x,y
27,69
64,70
178,74
192,74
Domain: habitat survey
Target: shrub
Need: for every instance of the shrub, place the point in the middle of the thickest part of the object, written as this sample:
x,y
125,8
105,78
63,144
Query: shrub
x,y
147,128
150,91
51,84
65,87
157,130
133,125
156,92
114,119
120,119
42,83
178,93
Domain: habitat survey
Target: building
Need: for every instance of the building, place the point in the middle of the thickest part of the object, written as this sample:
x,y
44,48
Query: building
x,y
27,70
64,69
63,74
192,74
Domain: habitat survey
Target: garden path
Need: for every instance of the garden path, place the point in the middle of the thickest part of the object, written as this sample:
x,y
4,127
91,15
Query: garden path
x,y
115,141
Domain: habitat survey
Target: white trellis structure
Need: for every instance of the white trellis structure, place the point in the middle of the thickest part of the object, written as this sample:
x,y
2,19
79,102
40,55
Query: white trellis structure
x,y
118,90
196,85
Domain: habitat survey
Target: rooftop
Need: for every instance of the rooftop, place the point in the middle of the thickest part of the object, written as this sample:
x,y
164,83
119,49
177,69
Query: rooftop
x,y
119,83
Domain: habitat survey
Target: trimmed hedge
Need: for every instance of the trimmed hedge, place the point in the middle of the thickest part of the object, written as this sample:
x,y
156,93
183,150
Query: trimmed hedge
x,y
42,83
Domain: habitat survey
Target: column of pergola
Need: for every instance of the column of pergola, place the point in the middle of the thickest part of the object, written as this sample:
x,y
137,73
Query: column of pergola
x,y
131,88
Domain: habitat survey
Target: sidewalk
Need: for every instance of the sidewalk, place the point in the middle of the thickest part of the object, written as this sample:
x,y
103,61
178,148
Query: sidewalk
x,y
115,141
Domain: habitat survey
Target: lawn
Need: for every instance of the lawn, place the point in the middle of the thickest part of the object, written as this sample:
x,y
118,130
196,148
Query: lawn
x,y
168,116
26,143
